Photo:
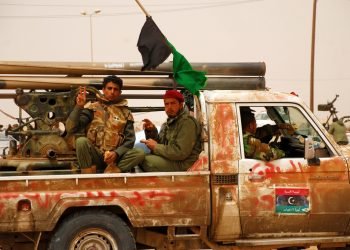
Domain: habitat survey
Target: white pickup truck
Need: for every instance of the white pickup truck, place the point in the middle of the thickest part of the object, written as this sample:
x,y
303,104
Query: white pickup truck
x,y
225,201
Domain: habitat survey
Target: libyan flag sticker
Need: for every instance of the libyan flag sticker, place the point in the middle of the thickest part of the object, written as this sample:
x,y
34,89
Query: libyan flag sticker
x,y
292,200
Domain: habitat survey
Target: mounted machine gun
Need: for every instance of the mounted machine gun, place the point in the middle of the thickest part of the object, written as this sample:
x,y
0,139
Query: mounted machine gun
x,y
332,112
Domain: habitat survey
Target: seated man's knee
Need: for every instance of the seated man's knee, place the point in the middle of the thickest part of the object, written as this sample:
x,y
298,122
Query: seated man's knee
x,y
81,142
149,164
138,153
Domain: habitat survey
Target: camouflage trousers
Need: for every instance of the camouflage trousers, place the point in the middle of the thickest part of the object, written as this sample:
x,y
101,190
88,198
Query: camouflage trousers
x,y
88,155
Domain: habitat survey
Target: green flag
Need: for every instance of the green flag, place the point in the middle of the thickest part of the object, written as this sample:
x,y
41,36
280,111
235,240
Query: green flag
x,y
155,48
184,74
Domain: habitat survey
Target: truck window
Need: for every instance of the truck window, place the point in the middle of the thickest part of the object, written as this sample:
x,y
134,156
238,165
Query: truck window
x,y
283,128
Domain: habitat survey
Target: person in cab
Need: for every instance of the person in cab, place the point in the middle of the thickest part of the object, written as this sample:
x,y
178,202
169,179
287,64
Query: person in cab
x,y
254,147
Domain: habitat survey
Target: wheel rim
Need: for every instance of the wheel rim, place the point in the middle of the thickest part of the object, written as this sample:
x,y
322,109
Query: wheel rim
x,y
93,239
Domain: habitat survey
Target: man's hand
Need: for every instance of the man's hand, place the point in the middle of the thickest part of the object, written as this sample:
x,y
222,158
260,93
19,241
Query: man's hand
x,y
150,143
81,97
110,157
148,125
288,127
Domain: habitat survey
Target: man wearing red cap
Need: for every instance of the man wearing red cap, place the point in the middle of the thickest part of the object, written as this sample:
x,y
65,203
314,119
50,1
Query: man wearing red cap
x,y
177,145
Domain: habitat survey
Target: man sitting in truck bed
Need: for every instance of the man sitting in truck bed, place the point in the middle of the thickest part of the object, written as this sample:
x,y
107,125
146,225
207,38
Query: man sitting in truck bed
x,y
253,147
110,131
177,146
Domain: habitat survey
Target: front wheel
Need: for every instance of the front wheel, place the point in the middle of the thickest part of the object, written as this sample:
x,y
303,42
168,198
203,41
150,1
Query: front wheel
x,y
92,229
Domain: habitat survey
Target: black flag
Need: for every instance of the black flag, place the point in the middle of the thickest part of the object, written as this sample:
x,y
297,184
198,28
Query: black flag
x,y
152,45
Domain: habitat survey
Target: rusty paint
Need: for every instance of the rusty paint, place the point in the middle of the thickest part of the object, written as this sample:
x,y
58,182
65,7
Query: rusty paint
x,y
224,138
159,195
328,185
2,207
223,129
201,164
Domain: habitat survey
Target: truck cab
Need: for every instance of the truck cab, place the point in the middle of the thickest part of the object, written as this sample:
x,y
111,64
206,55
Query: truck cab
x,y
287,199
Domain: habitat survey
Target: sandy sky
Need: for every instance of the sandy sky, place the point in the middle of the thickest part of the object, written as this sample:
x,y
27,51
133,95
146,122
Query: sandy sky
x,y
277,32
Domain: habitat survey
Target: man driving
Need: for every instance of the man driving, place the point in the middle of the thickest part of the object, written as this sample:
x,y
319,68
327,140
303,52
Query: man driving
x,y
254,147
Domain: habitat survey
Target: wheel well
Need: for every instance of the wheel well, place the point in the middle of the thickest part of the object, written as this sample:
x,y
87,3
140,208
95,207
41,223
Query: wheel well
x,y
98,226
114,209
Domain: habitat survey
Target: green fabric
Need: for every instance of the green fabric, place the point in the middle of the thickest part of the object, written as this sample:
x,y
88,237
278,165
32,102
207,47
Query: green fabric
x,y
178,140
88,155
178,145
184,74
155,163
338,130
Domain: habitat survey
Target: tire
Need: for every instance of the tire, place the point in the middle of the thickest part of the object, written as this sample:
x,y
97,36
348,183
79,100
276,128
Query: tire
x,y
92,229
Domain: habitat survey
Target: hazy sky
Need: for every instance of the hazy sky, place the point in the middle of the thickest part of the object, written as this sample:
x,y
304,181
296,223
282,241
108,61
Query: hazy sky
x,y
277,32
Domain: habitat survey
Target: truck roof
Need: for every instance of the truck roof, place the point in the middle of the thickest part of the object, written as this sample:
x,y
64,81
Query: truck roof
x,y
249,96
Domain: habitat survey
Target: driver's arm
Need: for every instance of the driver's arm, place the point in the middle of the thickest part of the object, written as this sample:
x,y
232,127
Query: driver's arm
x,y
288,127
254,148
266,132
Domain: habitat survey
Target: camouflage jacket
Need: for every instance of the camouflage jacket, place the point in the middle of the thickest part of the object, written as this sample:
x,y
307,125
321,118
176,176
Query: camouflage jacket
x,y
178,139
254,148
109,126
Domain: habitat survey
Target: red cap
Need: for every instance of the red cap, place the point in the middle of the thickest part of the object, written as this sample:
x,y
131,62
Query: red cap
x,y
174,94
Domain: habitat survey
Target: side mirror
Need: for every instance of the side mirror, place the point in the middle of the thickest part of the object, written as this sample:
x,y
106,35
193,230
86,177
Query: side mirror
x,y
309,148
309,153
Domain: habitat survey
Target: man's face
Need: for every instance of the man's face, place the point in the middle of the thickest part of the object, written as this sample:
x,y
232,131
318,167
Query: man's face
x,y
111,91
172,106
252,126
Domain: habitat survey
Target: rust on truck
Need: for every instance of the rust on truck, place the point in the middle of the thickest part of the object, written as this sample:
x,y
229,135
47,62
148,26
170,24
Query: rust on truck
x,y
147,200
224,201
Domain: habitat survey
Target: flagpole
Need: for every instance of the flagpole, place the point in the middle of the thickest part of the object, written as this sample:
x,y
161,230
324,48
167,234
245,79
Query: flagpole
x,y
142,8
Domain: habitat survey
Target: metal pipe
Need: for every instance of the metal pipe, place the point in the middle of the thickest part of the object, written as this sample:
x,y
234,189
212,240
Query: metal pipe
x,y
127,68
312,66
130,83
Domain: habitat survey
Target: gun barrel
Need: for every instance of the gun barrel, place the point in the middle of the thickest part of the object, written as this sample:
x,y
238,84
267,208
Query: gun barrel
x,y
129,83
324,107
128,68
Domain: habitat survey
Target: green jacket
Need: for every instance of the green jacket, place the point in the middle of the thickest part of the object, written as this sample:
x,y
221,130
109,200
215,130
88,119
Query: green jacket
x,y
338,130
178,139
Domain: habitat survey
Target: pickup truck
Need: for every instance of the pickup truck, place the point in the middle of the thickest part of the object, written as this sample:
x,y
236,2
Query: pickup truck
x,y
224,201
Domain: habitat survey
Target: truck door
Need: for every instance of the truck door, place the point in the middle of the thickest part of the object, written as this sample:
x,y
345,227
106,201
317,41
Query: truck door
x,y
290,194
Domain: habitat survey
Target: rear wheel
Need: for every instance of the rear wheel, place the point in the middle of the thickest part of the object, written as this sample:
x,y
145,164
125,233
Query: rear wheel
x,y
92,229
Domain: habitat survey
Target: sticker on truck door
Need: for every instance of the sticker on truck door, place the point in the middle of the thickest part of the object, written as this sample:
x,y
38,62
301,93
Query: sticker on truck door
x,y
292,200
